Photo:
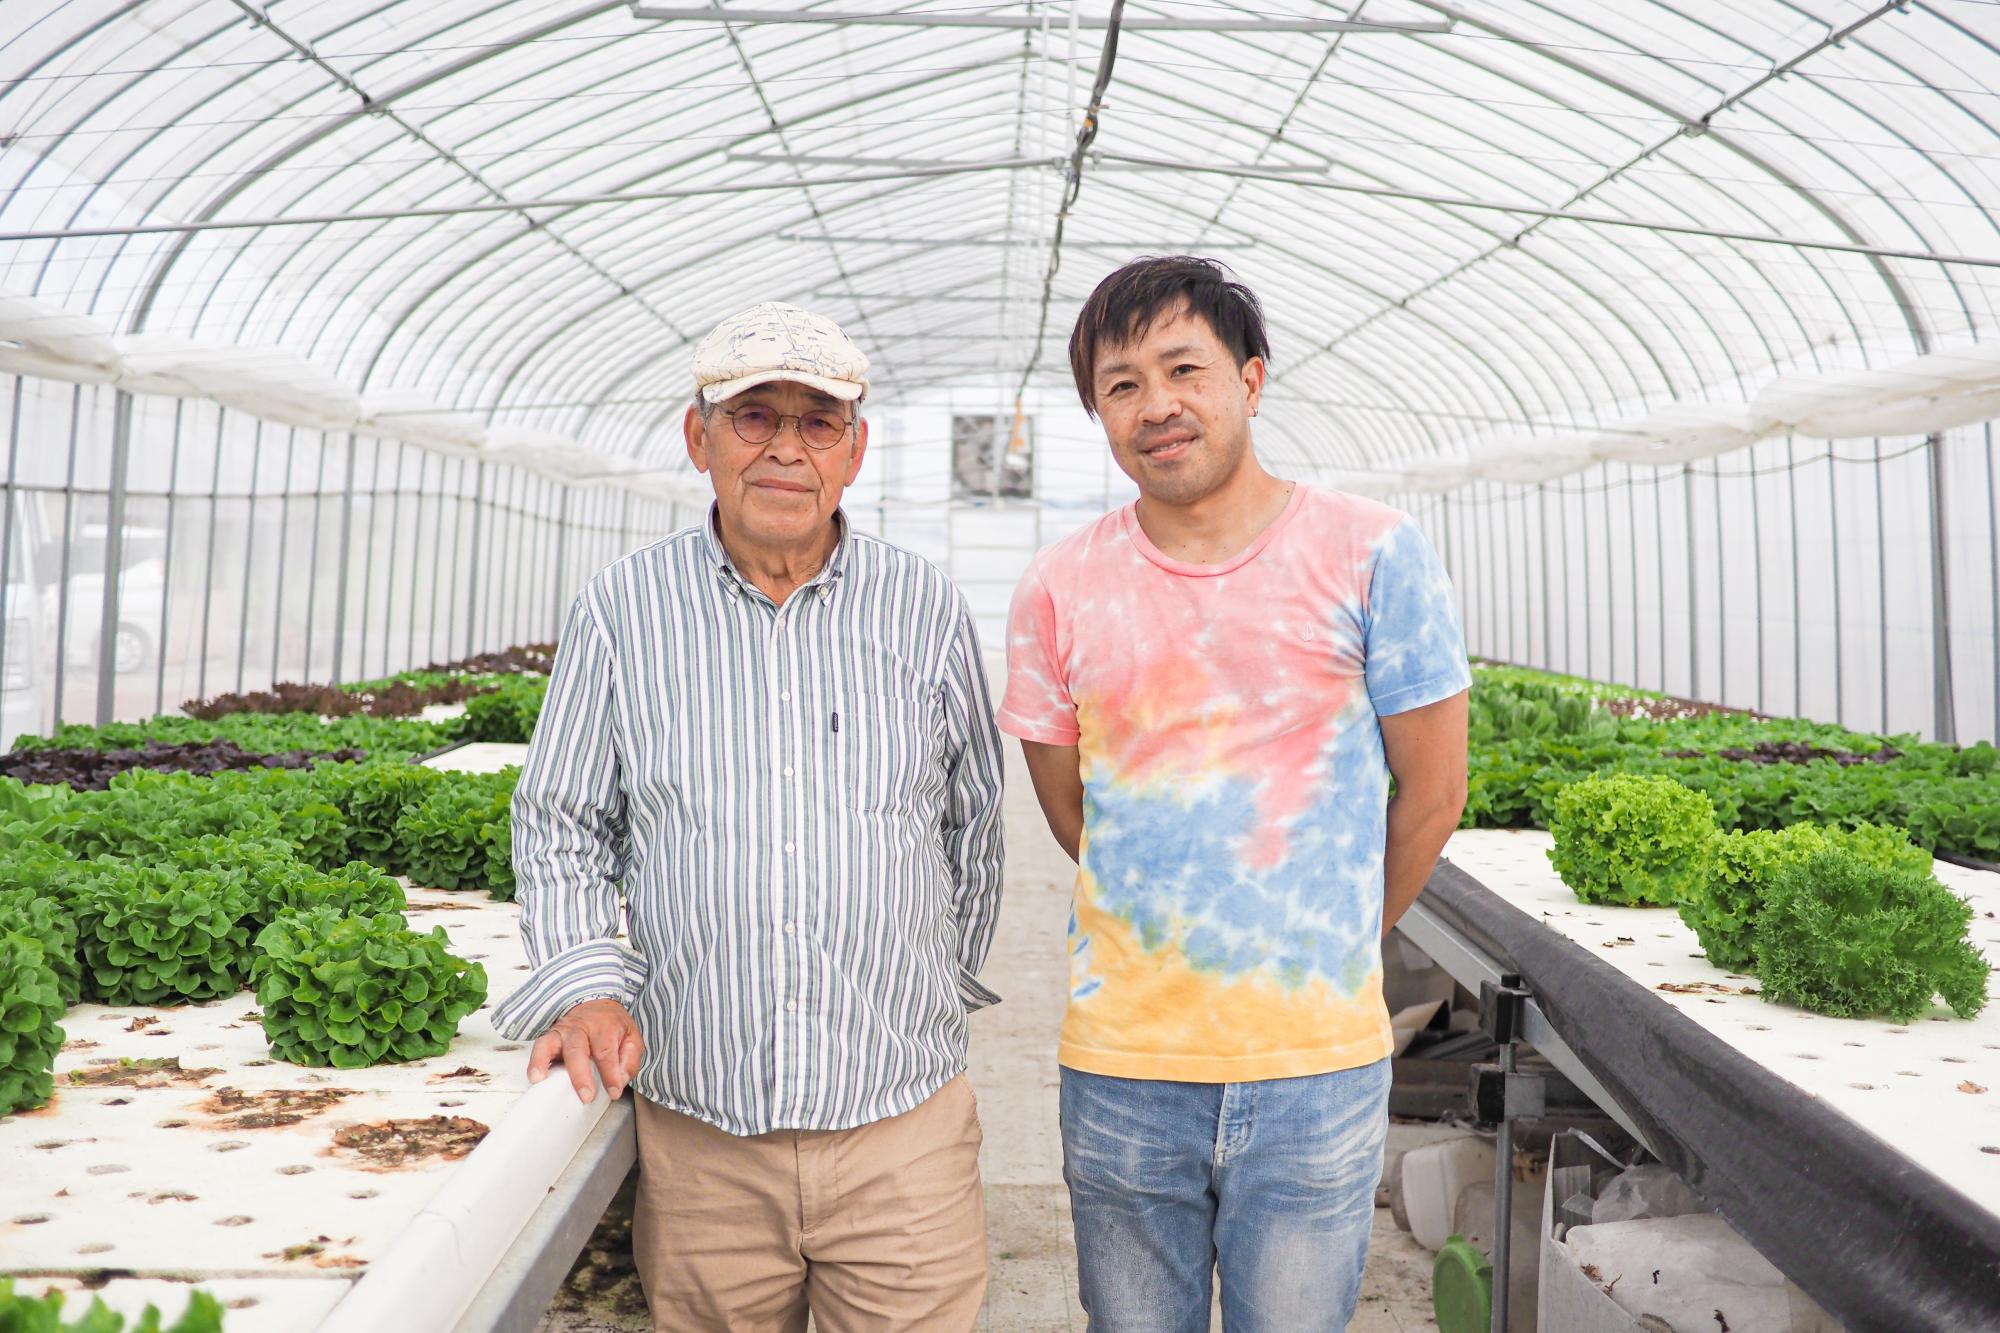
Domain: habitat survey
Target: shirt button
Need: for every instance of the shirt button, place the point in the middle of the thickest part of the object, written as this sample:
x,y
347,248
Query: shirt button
x,y
788,849
788,772
791,928
785,698
792,1007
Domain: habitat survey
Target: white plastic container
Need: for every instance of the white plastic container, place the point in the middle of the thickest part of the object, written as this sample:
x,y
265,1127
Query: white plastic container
x,y
1433,1178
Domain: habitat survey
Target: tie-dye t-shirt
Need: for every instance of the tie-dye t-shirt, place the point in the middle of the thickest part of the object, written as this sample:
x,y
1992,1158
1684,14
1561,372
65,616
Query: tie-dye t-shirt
x,y
1227,915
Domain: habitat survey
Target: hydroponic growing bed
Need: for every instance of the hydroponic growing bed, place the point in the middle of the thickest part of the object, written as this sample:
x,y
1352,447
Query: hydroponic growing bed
x,y
1861,1156
178,1152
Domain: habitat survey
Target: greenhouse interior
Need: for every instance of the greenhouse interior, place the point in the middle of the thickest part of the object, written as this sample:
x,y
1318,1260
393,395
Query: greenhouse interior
x,y
366,371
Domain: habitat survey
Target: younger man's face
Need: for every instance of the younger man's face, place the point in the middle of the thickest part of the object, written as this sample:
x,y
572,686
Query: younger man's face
x,y
1176,408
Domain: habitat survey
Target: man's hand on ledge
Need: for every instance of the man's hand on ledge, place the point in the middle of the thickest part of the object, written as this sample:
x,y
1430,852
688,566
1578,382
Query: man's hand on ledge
x,y
596,1030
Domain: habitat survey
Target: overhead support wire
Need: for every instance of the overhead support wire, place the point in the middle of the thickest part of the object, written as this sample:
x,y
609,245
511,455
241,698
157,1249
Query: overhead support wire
x,y
1073,185
901,163
261,18
952,19
993,242
516,205
1115,161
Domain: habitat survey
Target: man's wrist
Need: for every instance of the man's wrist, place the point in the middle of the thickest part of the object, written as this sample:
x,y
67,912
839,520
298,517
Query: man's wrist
x,y
597,995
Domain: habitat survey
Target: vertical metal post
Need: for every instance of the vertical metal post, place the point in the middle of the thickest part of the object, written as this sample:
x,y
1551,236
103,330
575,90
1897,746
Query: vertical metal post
x,y
369,562
535,567
438,583
1721,602
1833,553
284,550
1694,607
1660,573
1447,549
1632,547
1469,501
489,568
457,493
167,566
472,562
1562,536
1589,596
1548,611
1493,515
12,501
389,564
1757,575
562,563
1881,593
249,553
1503,1203
545,562
68,543
410,656
1489,631
312,562
341,575
1798,605
1992,565
1610,599
1944,710
1495,568
1507,567
517,593
208,554
114,556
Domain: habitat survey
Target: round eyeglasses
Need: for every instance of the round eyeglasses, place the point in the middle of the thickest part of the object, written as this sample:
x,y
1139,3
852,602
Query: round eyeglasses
x,y
819,429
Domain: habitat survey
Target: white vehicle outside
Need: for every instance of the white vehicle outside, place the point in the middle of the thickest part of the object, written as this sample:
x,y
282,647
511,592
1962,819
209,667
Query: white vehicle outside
x,y
141,595
24,677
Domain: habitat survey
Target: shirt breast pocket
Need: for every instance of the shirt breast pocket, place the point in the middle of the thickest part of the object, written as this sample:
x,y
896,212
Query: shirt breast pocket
x,y
883,751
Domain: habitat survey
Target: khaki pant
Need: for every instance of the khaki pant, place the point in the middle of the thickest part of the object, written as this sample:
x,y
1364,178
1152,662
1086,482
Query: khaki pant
x,y
879,1227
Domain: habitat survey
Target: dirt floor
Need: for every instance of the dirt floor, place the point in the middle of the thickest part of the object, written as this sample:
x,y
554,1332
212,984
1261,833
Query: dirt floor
x,y
1032,1283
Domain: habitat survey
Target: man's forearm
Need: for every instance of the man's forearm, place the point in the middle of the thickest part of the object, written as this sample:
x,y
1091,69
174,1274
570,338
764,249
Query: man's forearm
x,y
1418,831
1059,791
1066,827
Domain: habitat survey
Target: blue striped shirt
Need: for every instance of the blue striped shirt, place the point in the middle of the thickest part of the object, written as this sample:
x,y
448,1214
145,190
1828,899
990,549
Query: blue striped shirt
x,y
801,805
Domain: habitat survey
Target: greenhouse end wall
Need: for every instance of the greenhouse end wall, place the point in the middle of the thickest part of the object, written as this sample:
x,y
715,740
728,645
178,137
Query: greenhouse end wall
x,y
231,570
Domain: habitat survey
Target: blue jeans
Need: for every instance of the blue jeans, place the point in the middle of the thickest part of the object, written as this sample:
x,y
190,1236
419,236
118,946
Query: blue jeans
x,y
1271,1183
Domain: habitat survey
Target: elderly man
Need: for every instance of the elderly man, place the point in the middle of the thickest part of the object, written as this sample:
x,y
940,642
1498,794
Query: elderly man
x,y
1213,687
769,738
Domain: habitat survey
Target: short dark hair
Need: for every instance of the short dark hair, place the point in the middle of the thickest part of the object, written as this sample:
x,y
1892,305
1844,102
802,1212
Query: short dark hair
x,y
1149,288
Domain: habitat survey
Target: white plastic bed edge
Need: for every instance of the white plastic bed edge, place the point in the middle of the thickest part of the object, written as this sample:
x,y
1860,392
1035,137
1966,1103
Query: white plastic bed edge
x,y
449,1250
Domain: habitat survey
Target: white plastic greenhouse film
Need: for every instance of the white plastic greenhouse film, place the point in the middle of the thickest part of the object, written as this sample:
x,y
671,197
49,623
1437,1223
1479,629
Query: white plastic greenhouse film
x,y
1534,459
25,360
57,334
1908,416
1682,434
416,420
1840,553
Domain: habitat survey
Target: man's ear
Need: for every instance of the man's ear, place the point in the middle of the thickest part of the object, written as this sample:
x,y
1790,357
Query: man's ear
x,y
696,432
1253,382
860,448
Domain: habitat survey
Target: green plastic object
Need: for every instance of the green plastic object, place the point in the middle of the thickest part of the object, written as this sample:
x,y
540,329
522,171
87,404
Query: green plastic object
x,y
1462,1288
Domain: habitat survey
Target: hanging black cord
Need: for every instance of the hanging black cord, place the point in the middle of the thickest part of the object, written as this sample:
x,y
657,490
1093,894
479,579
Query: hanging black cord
x,y
1073,185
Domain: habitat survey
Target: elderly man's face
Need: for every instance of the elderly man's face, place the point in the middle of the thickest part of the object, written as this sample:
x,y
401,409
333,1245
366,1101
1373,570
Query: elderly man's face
x,y
781,493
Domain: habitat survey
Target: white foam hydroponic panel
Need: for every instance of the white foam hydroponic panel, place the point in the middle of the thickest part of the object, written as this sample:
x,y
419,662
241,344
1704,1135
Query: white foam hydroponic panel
x,y
1930,1087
